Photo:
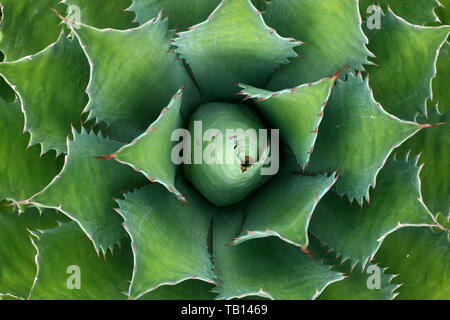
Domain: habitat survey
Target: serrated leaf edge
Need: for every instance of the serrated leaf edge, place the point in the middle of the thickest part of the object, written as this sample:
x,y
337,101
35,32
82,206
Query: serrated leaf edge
x,y
260,234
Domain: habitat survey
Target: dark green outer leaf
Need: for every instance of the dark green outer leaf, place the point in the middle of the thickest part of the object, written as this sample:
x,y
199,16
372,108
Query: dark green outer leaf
x,y
421,257
66,246
23,170
443,13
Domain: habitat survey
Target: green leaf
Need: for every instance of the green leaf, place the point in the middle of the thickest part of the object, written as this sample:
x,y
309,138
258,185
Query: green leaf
x,y
441,92
17,266
63,253
180,15
85,187
354,287
399,83
443,12
49,113
133,75
434,146
120,133
233,45
104,13
6,92
169,237
260,4
23,170
150,153
332,33
186,290
356,137
283,208
296,112
357,233
416,11
371,284
421,257
266,267
27,27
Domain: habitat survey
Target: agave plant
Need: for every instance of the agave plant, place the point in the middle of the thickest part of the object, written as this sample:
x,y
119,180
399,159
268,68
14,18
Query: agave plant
x,y
93,205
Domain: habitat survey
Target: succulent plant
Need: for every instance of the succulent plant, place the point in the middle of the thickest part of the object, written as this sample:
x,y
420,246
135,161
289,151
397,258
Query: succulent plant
x,y
98,96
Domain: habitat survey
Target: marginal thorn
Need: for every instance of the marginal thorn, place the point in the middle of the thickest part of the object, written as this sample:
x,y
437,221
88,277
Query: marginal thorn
x,y
336,75
110,156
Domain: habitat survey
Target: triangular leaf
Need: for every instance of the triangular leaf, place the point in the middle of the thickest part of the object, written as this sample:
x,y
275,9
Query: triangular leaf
x,y
357,233
283,208
268,267
296,112
61,73
399,83
150,153
356,136
133,74
234,44
332,33
85,187
169,237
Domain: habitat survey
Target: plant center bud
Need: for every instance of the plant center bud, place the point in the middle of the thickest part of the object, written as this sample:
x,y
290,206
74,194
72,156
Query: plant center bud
x,y
229,146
